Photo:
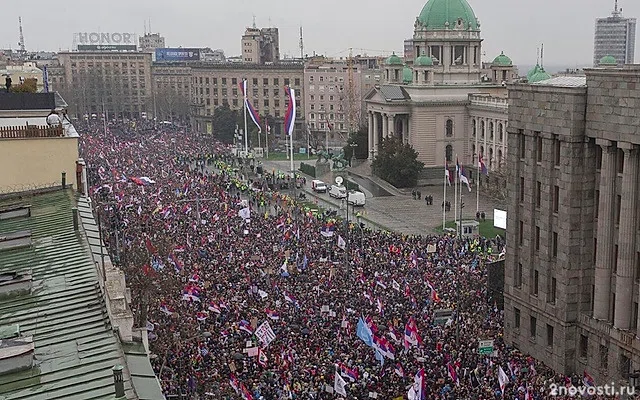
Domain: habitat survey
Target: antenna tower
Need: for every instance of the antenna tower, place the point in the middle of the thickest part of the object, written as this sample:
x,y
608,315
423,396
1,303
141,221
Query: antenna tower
x,y
22,49
301,45
254,22
542,56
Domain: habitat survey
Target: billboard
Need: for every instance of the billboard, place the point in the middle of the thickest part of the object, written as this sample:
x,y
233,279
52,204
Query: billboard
x,y
103,38
178,54
106,47
500,219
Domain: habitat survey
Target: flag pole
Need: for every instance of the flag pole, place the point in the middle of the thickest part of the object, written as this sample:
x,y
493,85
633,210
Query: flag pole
x,y
444,201
246,141
455,201
478,187
266,135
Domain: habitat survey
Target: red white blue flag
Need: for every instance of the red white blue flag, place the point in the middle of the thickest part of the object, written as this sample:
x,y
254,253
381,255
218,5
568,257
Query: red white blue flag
x,y
252,111
481,166
290,116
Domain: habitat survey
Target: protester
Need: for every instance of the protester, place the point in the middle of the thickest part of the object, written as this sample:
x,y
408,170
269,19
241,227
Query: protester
x,y
211,253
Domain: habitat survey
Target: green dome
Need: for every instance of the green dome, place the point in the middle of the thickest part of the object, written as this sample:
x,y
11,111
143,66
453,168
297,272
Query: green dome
x,y
394,60
441,14
407,75
534,71
608,60
539,76
423,61
502,61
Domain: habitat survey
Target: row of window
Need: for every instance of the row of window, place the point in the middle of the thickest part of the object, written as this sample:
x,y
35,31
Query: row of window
x,y
533,327
491,127
236,92
552,284
329,79
321,117
234,81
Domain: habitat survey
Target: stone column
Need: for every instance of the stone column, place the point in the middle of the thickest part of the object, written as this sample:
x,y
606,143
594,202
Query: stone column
x,y
604,250
376,132
385,126
392,124
626,239
370,144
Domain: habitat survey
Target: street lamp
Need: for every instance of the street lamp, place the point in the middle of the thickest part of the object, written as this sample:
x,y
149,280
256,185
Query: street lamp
x,y
353,150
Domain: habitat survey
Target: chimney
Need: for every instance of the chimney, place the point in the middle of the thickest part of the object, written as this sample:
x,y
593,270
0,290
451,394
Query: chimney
x,y
118,381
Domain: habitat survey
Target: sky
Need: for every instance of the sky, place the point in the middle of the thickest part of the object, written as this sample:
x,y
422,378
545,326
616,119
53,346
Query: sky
x,y
330,27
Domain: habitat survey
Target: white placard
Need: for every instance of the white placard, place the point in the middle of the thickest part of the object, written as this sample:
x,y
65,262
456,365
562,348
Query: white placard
x,y
265,334
500,219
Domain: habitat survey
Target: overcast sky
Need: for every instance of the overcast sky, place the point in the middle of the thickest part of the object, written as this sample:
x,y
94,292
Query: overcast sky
x,y
330,26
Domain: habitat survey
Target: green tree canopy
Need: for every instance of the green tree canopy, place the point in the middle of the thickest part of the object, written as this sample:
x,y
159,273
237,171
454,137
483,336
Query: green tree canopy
x,y
224,123
357,144
397,163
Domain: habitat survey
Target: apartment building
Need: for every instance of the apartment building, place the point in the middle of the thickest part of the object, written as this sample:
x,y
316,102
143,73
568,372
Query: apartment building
x,y
260,46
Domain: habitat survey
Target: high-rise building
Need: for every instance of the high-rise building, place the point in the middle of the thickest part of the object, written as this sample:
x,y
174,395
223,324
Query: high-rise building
x,y
572,268
150,42
615,36
260,46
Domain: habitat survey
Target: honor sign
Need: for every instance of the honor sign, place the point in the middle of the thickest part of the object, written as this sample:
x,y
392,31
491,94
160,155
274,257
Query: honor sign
x,y
100,38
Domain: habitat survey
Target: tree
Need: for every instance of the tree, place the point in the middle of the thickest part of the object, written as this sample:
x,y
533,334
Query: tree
x,y
170,104
357,145
224,123
30,85
397,163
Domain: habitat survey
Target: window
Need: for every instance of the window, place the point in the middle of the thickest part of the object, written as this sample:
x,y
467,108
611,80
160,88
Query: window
x,y
615,258
604,357
449,153
215,81
598,158
311,78
254,81
618,208
516,317
549,335
296,82
595,249
448,128
538,193
206,81
522,142
532,326
521,233
553,290
265,81
556,198
537,238
597,205
638,266
518,276
491,131
556,151
625,365
276,81
554,245
521,189
235,102
635,315
536,278
286,81
473,127
500,133
538,147
224,81
482,129
620,159
584,346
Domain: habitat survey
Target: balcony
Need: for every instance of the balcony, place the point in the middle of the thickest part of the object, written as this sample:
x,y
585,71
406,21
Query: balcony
x,y
30,131
488,101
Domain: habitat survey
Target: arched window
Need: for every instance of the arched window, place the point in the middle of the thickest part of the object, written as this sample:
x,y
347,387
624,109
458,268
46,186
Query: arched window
x,y
473,127
482,129
449,153
491,131
448,128
482,151
500,132
473,149
490,157
499,158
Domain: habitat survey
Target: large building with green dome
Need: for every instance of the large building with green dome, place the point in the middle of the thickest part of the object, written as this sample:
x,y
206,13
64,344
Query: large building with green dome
x,y
443,99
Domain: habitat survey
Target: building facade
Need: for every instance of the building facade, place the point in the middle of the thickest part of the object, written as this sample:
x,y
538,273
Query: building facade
x,y
216,84
117,83
171,90
260,46
440,102
573,255
150,42
615,36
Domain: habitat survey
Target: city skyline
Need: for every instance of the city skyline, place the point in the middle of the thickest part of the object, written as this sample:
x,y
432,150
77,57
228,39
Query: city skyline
x,y
379,33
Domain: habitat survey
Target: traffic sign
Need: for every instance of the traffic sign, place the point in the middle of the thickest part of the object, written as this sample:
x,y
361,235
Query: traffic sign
x,y
485,347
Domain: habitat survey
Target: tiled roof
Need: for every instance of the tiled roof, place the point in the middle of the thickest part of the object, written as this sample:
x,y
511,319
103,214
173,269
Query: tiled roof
x,y
564,81
75,347
393,92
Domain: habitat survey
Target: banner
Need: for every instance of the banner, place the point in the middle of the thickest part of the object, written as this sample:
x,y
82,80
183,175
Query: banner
x,y
265,334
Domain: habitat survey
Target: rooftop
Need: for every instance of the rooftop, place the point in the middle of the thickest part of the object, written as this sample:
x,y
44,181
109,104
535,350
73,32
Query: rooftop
x,y
75,346
564,81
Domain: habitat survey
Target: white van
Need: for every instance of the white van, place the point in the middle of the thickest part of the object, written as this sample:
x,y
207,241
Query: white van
x,y
356,198
318,186
339,192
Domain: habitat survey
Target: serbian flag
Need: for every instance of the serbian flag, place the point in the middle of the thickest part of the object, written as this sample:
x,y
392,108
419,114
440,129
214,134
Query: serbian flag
x,y
166,309
453,374
290,299
201,316
191,293
417,392
262,358
481,166
399,370
137,181
150,246
213,307
447,174
587,379
194,278
233,381
246,394
347,372
272,314
463,178
244,325
394,334
175,262
411,336
252,111
290,116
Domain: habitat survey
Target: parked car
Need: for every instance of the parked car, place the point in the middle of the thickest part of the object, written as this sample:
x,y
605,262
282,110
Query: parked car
x,y
318,186
339,192
356,198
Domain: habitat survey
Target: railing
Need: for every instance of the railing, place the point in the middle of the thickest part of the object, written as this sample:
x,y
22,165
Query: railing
x,y
488,101
30,131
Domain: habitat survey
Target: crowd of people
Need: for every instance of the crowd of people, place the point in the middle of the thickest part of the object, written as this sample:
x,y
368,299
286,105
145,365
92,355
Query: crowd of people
x,y
211,254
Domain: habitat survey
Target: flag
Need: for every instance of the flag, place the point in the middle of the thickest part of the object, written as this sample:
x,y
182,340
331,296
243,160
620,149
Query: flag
x,y
399,370
395,285
380,307
244,325
147,181
481,166
384,347
166,309
463,178
411,336
339,385
252,112
245,213
213,307
394,334
417,392
447,174
453,374
341,243
273,314
262,358
233,381
587,379
290,299
191,292
380,283
201,316
150,246
290,116
502,379
347,372
364,332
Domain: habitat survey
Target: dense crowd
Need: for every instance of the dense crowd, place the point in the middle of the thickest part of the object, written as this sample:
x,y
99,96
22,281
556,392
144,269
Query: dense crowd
x,y
205,274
